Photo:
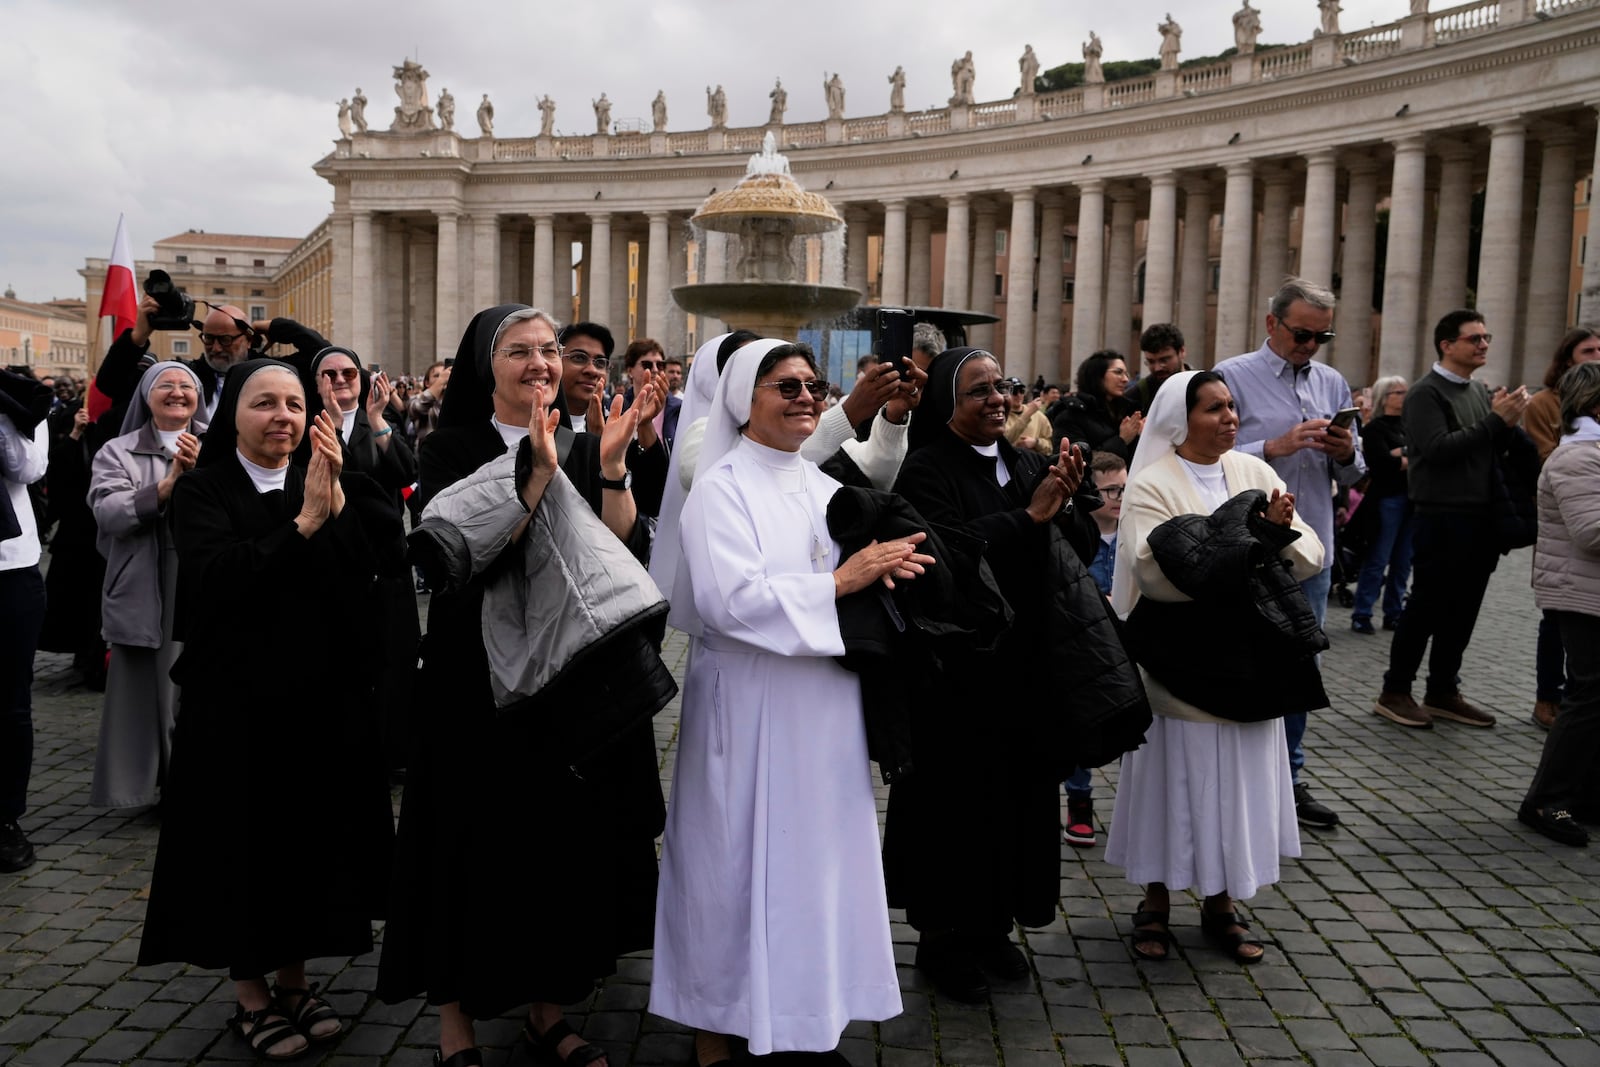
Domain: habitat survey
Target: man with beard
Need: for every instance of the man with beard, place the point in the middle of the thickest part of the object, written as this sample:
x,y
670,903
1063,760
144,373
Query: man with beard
x,y
1163,349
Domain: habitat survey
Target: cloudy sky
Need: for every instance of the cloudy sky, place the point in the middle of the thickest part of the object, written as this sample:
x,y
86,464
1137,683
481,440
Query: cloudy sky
x,y
211,117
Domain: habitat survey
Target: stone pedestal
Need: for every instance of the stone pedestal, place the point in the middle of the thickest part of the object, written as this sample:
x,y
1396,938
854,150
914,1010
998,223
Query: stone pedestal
x,y
602,145
716,139
1027,107
833,131
1094,96
544,148
1244,69
1413,32
1166,84
898,124
658,143
1324,52
960,116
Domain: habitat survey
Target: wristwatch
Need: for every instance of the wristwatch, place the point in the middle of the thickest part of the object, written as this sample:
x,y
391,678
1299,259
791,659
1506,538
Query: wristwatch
x,y
624,483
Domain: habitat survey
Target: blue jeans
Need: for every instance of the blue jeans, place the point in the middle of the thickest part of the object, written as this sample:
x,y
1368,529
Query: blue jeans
x,y
1079,783
1391,549
1294,724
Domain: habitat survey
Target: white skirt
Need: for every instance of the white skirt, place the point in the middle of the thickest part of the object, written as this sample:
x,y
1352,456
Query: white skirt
x,y
1205,806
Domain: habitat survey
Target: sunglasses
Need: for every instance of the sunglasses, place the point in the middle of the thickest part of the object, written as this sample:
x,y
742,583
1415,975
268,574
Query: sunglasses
x,y
349,374
1303,337
789,388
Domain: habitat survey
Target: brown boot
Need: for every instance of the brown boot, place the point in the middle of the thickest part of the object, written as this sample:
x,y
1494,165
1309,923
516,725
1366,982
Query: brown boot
x,y
1456,708
1544,713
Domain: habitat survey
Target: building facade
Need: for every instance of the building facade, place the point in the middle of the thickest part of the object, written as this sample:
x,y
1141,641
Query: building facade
x,y
50,337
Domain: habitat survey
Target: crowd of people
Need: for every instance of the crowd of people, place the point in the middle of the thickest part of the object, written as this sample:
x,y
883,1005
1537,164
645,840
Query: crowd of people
x,y
856,572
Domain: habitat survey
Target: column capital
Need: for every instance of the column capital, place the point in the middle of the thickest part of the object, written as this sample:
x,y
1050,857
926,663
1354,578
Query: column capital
x,y
1321,155
1091,185
658,216
599,216
1049,198
1360,163
1410,142
1454,151
1196,181
856,212
983,205
1164,178
1026,192
1277,175
1556,137
895,203
453,214
1240,166
1515,125
919,210
361,213
952,199
545,218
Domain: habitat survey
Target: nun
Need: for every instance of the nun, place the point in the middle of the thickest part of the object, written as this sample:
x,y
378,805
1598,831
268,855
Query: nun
x,y
519,879
771,923
130,493
276,830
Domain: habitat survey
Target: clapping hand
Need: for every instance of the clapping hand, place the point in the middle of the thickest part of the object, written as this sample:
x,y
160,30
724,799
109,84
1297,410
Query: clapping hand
x,y
882,561
1280,508
184,459
378,394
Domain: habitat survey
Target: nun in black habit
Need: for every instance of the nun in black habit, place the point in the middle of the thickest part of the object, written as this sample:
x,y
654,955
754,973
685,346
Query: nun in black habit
x,y
972,841
276,830
519,880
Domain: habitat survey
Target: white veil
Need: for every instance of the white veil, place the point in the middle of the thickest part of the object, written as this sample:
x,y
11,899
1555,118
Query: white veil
x,y
1166,425
698,391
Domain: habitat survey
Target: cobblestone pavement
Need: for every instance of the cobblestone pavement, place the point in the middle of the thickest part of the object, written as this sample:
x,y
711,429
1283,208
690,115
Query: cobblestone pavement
x,y
1431,928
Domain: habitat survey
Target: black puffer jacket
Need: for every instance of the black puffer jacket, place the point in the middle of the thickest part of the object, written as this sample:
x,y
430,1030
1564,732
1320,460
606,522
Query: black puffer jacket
x,y
1244,648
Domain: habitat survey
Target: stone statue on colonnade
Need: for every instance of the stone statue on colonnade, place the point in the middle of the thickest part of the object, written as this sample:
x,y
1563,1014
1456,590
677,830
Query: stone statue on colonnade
x,y
658,111
358,110
780,103
834,88
447,110
1029,63
717,107
1246,28
1419,7
602,114
897,90
962,76
486,116
1093,73
1171,43
547,116
411,86
344,119
1330,18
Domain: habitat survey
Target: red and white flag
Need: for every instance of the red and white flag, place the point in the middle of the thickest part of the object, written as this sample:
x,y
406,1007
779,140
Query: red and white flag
x,y
120,297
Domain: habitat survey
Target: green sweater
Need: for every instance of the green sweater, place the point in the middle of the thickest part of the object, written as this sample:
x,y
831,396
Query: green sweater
x,y
1452,436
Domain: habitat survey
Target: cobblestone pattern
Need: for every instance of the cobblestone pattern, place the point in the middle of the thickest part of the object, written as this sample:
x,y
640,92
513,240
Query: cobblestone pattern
x,y
1430,929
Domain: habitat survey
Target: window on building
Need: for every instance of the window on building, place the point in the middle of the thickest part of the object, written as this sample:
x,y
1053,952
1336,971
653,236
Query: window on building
x,y
258,312
221,261
180,347
1068,290
258,263
183,259
1069,249
999,285
219,292
258,292
1000,242
1216,275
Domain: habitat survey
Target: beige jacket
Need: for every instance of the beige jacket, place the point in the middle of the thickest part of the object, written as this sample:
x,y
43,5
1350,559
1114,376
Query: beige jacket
x,y
1566,558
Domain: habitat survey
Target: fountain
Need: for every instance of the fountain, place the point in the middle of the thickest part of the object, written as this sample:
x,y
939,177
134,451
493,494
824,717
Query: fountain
x,y
771,219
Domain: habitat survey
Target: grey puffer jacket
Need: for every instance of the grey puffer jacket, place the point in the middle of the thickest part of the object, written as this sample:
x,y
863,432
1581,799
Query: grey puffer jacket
x,y
131,535
567,586
1566,558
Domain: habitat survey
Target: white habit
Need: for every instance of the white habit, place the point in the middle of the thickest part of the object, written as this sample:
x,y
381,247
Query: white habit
x,y
772,921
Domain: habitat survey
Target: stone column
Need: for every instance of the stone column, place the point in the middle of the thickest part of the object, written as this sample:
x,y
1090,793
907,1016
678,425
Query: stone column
x,y
660,284
1047,317
983,270
1317,236
561,276
1500,254
597,271
919,271
394,341
677,274
1447,280
1019,284
509,285
1352,352
1552,254
1589,296
1161,250
342,272
485,260
1402,279
855,249
544,266
447,305
1119,270
617,311
714,268
363,291
1088,301
641,290
894,252
1194,293
1235,323
424,292
1272,255
957,251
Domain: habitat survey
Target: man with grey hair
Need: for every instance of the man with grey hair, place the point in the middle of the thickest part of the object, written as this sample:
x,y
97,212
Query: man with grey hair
x,y
1286,404
927,341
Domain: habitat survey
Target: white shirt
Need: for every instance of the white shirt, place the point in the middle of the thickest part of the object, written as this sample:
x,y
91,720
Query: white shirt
x,y
349,426
22,462
265,479
580,423
1001,475
511,435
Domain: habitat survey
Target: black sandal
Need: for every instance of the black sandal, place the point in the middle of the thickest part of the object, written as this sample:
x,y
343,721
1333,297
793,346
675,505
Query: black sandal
x,y
1157,933
1227,930
549,1041
310,1011
467,1057
268,1027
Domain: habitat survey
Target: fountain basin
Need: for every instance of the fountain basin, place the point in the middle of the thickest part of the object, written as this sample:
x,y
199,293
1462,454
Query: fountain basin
x,y
771,309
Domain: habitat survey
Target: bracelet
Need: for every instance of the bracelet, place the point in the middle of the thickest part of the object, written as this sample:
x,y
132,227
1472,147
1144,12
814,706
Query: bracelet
x,y
386,429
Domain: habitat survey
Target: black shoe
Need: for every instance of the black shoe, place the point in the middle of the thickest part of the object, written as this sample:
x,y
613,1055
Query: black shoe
x,y
16,852
1391,622
1312,814
1000,957
951,968
1555,823
1362,624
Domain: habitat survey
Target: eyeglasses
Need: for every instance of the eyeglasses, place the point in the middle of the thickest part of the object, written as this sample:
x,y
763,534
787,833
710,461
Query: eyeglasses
x,y
789,388
1113,492
522,353
173,387
984,392
651,364
1476,339
349,374
1303,337
584,359
222,339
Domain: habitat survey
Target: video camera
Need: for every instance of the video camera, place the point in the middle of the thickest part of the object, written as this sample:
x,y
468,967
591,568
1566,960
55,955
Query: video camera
x,y
176,306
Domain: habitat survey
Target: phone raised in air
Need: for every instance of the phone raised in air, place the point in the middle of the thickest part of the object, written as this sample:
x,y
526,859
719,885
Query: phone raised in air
x,y
891,341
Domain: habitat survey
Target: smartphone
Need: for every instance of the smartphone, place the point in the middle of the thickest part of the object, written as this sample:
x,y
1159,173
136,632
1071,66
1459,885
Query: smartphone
x,y
373,368
1346,417
892,342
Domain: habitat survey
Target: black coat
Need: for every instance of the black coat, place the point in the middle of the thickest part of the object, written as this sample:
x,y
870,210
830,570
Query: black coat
x,y
1244,648
1085,420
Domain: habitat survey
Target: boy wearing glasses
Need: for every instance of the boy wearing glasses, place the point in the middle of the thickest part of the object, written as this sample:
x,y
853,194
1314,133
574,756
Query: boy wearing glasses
x,y
1286,403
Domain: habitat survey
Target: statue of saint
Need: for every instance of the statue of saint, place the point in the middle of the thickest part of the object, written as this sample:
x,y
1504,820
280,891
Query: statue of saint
x,y
962,75
547,115
1419,7
834,88
897,90
447,110
1246,28
1029,63
486,116
344,119
658,111
780,103
358,111
602,115
1330,18
717,107
411,86
1171,43
1092,50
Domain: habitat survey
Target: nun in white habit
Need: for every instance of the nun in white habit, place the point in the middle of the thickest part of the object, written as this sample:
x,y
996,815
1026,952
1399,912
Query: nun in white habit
x,y
771,922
